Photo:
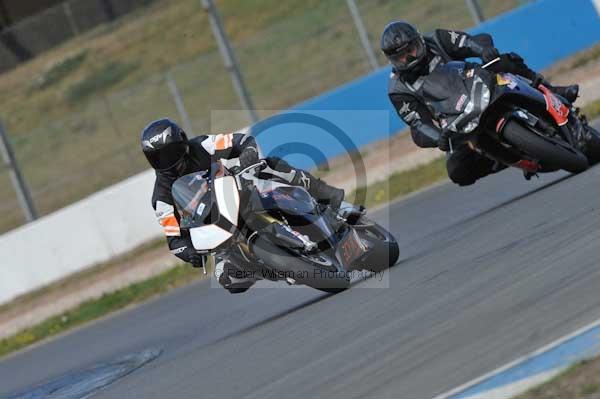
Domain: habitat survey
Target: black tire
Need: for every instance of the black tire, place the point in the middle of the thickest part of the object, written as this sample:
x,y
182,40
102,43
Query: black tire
x,y
303,271
547,151
593,151
385,251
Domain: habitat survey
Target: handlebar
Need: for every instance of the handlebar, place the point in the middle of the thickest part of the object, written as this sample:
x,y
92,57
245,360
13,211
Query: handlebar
x,y
238,175
492,62
248,168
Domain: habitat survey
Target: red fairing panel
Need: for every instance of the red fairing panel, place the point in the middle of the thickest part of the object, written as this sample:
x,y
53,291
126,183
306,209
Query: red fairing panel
x,y
555,107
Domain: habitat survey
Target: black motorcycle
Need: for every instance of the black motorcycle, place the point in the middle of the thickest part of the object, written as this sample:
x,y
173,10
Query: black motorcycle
x,y
505,118
279,232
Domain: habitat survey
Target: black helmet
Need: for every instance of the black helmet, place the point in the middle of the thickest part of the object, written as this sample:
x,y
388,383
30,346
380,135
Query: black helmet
x,y
164,144
403,46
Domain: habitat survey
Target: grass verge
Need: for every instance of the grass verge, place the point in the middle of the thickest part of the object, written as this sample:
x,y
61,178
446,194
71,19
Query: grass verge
x,y
396,185
401,183
580,381
592,110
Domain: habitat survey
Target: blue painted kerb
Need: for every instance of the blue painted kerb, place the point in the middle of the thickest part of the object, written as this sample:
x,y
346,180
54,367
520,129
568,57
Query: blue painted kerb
x,y
582,346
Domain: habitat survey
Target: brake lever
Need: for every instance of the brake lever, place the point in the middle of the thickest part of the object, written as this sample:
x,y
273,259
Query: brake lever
x,y
248,168
238,175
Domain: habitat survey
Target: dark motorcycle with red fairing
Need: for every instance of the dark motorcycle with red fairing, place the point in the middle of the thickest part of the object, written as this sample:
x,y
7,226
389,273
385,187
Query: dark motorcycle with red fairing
x,y
507,118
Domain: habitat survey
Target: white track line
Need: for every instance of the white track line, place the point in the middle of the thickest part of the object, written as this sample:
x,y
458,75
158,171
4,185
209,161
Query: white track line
x,y
522,359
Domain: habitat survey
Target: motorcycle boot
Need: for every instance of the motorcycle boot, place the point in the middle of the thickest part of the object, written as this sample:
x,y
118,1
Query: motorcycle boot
x,y
232,278
569,93
321,191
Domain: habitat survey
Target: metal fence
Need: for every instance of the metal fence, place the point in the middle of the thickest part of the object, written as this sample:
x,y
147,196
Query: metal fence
x,y
73,114
55,25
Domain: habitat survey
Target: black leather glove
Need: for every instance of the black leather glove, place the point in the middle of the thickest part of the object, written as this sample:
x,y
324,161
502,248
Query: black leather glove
x,y
249,157
444,141
489,54
189,255
197,259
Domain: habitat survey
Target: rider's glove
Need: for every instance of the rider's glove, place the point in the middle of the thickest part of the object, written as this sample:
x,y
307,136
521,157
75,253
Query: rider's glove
x,y
190,255
197,259
489,54
249,157
444,141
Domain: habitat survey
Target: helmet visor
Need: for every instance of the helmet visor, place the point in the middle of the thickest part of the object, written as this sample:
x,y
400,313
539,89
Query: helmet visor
x,y
167,156
407,56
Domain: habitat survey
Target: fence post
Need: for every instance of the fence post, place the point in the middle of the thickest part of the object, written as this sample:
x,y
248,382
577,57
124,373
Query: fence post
x,y
23,194
362,33
67,9
231,64
187,123
475,10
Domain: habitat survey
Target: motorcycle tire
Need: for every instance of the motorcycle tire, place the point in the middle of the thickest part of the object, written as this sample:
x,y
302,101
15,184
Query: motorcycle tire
x,y
547,151
300,269
384,251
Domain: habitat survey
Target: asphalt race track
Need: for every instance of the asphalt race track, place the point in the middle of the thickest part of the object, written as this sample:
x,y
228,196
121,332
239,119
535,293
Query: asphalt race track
x,y
487,273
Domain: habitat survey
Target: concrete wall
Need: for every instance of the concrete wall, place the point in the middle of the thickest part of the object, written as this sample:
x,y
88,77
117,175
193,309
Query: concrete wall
x,y
119,218
108,223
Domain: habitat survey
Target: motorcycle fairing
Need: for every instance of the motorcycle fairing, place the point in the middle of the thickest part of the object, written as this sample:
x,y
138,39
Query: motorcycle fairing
x,y
228,198
509,92
208,238
295,203
457,96
350,248
555,107
208,204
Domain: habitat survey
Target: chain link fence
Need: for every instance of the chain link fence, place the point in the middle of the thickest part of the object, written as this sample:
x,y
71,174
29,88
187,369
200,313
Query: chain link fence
x,y
55,25
73,114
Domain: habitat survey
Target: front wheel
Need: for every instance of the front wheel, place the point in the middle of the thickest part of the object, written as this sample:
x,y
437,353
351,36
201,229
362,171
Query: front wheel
x,y
320,275
384,251
549,152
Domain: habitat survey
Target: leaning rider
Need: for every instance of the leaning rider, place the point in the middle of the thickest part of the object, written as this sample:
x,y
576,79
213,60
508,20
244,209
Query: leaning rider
x,y
413,56
173,155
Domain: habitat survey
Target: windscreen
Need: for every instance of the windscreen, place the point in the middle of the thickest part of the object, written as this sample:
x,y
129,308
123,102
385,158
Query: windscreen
x,y
193,199
445,89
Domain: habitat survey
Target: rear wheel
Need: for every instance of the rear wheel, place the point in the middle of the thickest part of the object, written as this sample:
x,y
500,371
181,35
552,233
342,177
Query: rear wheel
x,y
550,152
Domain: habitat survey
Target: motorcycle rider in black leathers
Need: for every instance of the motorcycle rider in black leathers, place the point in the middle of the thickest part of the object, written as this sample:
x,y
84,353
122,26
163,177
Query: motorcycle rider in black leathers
x,y
414,56
172,155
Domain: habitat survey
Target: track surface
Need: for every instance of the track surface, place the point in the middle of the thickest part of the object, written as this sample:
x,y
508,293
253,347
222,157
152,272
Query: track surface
x,y
488,273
